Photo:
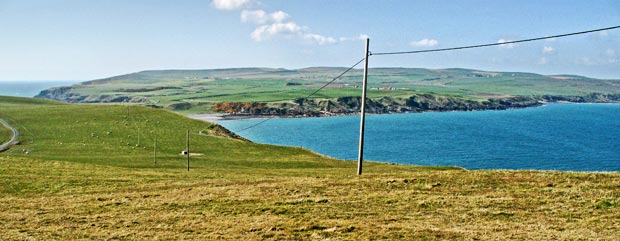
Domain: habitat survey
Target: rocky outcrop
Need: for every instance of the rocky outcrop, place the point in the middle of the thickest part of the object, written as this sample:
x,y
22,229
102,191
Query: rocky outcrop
x,y
427,102
65,94
304,107
57,93
218,130
591,98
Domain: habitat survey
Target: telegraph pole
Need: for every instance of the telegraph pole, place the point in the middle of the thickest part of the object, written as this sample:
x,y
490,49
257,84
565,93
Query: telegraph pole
x,y
188,150
363,114
155,151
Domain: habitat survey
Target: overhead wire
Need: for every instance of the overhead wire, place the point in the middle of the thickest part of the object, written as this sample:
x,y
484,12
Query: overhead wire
x,y
308,96
336,78
493,44
439,50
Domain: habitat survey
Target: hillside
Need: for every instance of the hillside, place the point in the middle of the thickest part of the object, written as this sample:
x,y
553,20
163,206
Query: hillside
x,y
197,91
80,173
5,134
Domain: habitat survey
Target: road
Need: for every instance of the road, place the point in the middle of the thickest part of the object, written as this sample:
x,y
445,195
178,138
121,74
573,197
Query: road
x,y
5,146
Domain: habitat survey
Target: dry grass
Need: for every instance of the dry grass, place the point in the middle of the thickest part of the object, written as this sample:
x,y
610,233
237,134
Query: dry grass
x,y
71,201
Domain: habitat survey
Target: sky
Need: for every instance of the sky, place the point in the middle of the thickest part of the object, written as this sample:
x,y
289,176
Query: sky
x,y
85,40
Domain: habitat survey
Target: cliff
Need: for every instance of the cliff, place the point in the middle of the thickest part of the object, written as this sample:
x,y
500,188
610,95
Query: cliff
x,y
304,107
67,94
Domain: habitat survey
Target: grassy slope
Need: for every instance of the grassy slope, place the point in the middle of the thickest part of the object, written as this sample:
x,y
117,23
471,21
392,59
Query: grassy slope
x,y
205,87
5,134
93,187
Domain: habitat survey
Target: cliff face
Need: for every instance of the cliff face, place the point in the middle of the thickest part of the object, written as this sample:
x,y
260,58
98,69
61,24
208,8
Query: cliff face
x,y
65,94
591,98
385,105
441,103
304,107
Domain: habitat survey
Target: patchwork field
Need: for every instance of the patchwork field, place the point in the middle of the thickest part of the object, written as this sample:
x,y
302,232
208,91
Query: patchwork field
x,y
196,91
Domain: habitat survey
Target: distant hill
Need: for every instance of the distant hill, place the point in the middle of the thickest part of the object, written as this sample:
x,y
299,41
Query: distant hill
x,y
192,91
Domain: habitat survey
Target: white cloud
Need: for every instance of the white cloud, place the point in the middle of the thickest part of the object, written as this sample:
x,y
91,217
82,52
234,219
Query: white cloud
x,y
289,30
267,31
599,35
320,39
551,39
271,24
261,17
424,43
508,46
231,4
610,52
547,50
362,37
279,16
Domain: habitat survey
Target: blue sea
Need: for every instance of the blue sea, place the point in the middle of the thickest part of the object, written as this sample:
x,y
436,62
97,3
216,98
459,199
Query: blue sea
x,y
29,88
569,137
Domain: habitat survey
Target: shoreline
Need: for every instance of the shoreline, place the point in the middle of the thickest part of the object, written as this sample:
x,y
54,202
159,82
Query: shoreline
x,y
226,117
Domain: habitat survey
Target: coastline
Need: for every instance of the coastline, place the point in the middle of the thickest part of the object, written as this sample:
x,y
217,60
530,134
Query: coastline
x,y
225,117
416,104
214,117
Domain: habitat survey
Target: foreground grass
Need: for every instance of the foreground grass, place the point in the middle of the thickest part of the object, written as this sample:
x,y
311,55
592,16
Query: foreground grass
x,y
86,177
62,200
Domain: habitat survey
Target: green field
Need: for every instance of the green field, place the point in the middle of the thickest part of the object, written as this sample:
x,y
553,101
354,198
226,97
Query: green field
x,y
202,88
5,134
86,177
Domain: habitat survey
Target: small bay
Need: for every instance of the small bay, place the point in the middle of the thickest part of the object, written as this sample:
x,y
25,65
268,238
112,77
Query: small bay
x,y
568,137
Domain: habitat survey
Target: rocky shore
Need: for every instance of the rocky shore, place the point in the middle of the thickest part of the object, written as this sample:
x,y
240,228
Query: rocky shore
x,y
418,103
66,95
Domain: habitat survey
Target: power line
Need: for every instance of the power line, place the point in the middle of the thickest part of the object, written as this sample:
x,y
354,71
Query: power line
x,y
252,126
439,50
495,44
336,78
310,95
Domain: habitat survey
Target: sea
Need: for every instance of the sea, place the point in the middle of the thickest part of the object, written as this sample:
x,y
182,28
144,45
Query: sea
x,y
29,88
567,137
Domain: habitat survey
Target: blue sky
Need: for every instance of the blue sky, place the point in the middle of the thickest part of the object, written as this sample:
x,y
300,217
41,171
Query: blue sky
x,y
83,40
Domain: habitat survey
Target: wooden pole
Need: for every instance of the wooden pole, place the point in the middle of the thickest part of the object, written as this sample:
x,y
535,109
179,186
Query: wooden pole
x,y
360,158
188,150
155,151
